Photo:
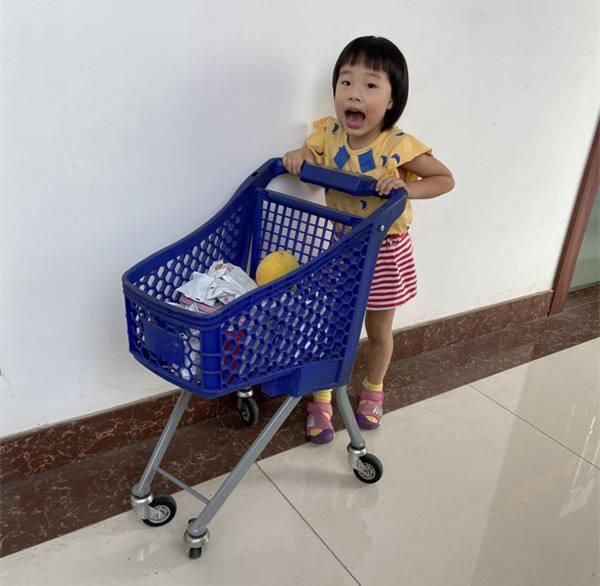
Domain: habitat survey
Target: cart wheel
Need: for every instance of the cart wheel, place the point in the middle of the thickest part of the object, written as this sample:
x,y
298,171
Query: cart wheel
x,y
370,469
195,553
248,409
162,510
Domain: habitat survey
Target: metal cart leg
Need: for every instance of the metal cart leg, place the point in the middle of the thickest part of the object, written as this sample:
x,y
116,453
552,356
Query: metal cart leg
x,y
367,468
140,493
196,534
343,403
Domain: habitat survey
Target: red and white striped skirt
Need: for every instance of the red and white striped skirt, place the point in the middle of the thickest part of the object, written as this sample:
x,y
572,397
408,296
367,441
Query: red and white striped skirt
x,y
395,278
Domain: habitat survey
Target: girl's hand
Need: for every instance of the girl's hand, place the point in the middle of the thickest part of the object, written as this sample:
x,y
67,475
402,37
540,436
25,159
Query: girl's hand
x,y
386,184
293,160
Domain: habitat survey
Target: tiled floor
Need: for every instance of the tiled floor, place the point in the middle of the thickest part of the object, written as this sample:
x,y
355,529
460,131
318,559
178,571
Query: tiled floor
x,y
493,483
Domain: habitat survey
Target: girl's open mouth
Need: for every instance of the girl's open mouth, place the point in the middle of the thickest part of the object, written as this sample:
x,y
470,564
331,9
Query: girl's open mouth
x,y
354,119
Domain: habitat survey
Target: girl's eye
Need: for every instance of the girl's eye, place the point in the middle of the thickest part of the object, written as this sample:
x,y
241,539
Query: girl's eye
x,y
344,82
371,86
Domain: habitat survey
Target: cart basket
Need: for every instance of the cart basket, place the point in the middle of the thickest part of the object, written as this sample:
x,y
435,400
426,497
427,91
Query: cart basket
x,y
293,336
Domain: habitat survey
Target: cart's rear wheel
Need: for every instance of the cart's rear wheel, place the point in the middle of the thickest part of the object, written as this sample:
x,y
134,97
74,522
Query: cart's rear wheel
x,y
195,553
370,469
162,510
248,409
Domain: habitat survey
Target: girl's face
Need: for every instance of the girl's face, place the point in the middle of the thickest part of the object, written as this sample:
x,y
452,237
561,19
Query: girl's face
x,y
362,97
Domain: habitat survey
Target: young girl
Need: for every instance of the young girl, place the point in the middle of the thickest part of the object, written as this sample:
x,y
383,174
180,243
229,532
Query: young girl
x,y
370,89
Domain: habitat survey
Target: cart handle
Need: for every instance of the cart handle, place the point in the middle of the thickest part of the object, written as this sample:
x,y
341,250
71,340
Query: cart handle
x,y
352,183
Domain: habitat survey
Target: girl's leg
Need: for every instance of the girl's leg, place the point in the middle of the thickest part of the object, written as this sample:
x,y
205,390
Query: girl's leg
x,y
379,354
380,343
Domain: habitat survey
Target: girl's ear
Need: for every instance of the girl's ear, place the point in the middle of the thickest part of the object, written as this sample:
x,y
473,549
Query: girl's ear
x,y
389,107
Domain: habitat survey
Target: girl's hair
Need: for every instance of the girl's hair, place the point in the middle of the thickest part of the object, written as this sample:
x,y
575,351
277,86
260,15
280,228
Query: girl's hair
x,y
381,55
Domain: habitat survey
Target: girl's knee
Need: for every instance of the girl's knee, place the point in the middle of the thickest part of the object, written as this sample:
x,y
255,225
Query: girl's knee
x,y
380,337
379,334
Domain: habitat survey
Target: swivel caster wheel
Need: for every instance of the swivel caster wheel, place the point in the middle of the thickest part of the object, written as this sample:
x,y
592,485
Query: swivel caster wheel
x,y
369,470
162,510
195,544
248,409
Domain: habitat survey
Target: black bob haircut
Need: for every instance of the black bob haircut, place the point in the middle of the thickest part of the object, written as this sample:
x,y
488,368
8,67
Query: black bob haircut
x,y
381,55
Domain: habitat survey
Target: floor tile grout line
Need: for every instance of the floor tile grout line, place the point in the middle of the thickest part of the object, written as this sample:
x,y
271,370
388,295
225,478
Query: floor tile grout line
x,y
307,523
534,427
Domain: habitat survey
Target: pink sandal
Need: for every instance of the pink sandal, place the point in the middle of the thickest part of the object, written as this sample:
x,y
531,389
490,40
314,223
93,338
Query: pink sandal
x,y
317,419
370,404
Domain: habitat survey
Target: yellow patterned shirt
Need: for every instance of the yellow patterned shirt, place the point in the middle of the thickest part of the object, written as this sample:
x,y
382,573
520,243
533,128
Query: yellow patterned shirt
x,y
384,156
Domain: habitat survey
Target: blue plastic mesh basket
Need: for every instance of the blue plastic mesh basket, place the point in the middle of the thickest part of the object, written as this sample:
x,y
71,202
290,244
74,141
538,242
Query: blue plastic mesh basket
x,y
294,336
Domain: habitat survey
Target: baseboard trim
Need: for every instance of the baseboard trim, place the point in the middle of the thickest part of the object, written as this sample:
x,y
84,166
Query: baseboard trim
x,y
56,445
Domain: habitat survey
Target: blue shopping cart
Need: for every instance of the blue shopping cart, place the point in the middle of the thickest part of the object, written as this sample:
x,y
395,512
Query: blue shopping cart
x,y
294,336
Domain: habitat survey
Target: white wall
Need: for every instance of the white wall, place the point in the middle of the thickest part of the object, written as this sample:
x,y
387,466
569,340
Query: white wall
x,y
128,123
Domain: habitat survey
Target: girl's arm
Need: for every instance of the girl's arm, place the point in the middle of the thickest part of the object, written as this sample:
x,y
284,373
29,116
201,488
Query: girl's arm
x,y
436,178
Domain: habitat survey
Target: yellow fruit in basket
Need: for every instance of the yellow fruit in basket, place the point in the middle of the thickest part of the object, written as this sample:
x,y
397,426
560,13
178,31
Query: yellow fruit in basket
x,y
275,265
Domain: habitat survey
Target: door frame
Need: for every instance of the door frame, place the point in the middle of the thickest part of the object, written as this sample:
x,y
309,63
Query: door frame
x,y
581,214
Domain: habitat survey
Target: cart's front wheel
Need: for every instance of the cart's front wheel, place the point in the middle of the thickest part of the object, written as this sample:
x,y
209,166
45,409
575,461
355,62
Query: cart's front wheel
x,y
195,553
369,470
162,510
248,409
